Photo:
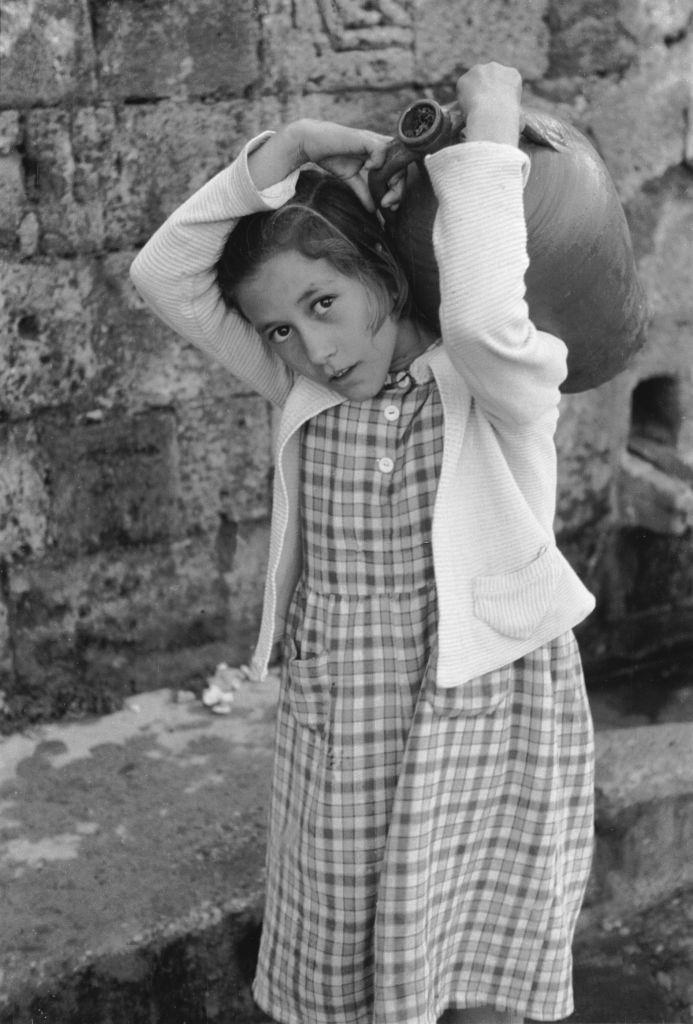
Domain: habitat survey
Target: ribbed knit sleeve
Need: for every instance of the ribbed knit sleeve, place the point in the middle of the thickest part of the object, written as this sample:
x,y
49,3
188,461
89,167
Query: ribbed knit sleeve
x,y
174,273
480,242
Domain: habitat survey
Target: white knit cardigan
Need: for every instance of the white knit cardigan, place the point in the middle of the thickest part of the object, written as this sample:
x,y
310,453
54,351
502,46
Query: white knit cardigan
x,y
503,587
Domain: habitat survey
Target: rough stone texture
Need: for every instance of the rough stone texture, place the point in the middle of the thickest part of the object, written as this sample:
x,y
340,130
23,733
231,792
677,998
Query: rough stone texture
x,y
451,37
585,441
644,816
12,197
225,462
92,630
202,48
638,121
24,499
105,177
114,113
114,484
47,54
332,45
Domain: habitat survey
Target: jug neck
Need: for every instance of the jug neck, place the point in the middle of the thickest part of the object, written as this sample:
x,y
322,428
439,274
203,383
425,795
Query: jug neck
x,y
425,127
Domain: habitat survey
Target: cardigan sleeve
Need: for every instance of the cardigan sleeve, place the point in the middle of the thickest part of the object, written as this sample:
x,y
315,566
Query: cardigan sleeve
x,y
174,273
480,242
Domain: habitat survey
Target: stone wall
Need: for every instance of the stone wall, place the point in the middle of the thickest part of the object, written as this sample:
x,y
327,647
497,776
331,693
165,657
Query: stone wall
x,y
134,477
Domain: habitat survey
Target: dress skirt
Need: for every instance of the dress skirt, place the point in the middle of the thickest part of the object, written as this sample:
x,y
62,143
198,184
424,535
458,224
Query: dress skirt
x,y
428,848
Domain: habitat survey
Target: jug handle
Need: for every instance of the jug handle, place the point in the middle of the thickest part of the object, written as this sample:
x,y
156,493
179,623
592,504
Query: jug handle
x,y
397,158
534,127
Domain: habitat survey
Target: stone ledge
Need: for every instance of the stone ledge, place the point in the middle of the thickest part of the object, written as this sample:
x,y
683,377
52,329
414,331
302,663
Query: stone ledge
x,y
644,818
132,849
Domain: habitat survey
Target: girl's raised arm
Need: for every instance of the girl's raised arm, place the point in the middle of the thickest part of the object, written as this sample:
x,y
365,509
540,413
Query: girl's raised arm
x,y
480,241
175,271
175,274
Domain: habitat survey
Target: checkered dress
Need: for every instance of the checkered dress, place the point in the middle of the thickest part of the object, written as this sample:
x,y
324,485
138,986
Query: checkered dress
x,y
428,848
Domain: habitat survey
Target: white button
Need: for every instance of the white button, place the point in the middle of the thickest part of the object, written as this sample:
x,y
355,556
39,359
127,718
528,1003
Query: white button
x,y
386,465
391,413
403,382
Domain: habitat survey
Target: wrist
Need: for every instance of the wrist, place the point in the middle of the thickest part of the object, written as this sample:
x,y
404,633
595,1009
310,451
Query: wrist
x,y
493,119
277,157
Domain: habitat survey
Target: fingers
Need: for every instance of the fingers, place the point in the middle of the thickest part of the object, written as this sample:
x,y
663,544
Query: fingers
x,y
395,191
358,183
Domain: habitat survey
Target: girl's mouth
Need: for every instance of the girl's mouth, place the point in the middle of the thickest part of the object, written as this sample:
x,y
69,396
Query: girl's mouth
x,y
341,374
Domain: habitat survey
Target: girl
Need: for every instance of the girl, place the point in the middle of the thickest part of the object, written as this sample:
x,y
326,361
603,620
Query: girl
x,y
431,814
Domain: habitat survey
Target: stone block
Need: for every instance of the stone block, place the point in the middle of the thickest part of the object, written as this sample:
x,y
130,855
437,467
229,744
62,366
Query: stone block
x,y
70,162
113,484
644,816
12,198
225,461
173,615
655,21
10,131
589,38
91,629
667,268
12,192
164,152
144,364
649,498
638,121
6,660
48,326
451,37
584,440
332,45
106,177
206,48
24,500
47,53
76,334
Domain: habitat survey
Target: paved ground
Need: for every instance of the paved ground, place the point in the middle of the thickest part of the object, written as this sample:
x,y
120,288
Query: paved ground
x,y
637,967
131,867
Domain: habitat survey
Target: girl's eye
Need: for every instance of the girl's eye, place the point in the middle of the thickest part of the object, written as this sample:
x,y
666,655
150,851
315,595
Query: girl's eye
x,y
323,304
281,333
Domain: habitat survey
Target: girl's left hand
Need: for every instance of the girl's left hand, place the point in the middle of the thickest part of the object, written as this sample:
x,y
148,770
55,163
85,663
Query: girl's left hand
x,y
348,153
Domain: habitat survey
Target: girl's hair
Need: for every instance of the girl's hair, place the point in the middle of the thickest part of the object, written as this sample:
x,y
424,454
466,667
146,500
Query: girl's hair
x,y
324,220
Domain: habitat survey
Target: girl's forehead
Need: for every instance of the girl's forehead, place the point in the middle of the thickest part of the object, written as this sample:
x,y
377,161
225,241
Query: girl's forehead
x,y
290,276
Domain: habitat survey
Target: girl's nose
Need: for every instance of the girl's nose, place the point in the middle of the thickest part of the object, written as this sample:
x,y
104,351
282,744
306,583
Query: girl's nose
x,y
319,346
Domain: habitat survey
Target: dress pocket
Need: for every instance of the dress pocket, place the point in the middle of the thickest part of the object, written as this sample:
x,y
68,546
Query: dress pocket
x,y
480,696
309,691
514,603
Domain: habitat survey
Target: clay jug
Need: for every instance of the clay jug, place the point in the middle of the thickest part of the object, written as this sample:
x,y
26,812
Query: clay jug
x,y
581,284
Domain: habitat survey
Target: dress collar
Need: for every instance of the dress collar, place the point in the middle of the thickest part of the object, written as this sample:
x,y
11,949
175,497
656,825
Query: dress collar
x,y
418,372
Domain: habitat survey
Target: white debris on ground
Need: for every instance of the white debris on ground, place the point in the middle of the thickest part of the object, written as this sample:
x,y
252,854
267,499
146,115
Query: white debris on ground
x,y
223,686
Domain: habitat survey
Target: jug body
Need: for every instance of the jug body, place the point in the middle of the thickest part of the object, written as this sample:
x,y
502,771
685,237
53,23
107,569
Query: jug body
x,y
581,284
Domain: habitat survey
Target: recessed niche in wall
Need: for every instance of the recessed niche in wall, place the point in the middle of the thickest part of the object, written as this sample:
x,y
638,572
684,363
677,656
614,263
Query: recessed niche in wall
x,y
656,410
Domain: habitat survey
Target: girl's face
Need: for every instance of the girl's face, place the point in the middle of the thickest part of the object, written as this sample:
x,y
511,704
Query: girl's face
x,y
320,323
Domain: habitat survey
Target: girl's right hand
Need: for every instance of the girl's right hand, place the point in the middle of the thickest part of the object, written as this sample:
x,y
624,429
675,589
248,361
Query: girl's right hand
x,y
348,153
489,97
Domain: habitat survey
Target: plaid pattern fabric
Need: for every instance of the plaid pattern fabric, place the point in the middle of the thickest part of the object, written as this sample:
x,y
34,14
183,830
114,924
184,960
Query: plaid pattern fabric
x,y
427,848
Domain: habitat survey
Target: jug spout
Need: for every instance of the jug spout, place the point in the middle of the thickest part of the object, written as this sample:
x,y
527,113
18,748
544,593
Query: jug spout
x,y
425,127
